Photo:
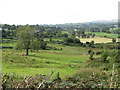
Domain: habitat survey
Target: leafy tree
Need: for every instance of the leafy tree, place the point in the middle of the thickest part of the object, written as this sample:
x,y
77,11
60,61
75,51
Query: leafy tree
x,y
118,36
35,45
59,34
65,35
39,34
91,55
73,34
5,33
93,35
19,46
114,40
98,52
89,51
69,40
76,40
92,42
104,56
115,55
84,36
87,42
25,37
43,45
88,36
50,40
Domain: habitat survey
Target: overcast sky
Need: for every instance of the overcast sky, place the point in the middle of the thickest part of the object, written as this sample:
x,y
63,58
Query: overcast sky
x,y
56,11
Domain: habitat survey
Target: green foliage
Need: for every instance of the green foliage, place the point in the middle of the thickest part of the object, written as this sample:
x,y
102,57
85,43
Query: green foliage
x,y
25,37
110,56
43,45
69,41
104,56
98,52
19,46
76,40
35,45
110,35
91,55
89,51
65,35
53,54
73,34
57,78
84,74
114,40
92,42
5,33
84,78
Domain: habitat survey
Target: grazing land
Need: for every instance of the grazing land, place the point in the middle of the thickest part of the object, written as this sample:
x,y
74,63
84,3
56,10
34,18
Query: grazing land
x,y
54,57
43,61
103,34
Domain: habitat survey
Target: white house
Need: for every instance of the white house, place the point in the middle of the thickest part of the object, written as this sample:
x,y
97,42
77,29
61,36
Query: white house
x,y
75,29
115,25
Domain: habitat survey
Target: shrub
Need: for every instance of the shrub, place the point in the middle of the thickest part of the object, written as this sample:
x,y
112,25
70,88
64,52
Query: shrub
x,y
84,74
91,55
69,40
77,40
57,78
104,56
98,52
43,45
89,51
87,42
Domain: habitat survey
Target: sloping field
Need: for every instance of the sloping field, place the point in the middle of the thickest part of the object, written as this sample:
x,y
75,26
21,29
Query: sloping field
x,y
104,34
65,61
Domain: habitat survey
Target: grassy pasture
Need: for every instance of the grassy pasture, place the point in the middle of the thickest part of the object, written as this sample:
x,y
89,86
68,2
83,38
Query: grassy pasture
x,y
67,32
65,61
69,50
103,34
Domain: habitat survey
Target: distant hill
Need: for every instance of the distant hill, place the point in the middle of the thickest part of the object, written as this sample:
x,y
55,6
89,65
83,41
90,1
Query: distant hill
x,y
105,21
92,24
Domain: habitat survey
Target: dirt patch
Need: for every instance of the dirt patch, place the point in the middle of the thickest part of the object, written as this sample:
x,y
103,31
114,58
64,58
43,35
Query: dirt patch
x,y
96,40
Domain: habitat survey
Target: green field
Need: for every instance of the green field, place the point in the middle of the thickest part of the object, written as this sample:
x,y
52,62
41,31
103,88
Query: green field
x,y
67,32
72,61
49,56
65,61
103,34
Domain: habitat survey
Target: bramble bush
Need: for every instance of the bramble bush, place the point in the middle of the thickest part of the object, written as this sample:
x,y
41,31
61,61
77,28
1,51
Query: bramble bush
x,y
84,78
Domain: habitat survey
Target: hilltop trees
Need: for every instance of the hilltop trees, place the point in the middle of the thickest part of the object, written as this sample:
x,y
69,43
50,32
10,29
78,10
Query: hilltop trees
x,y
5,33
65,35
68,41
25,37
89,51
73,34
114,40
